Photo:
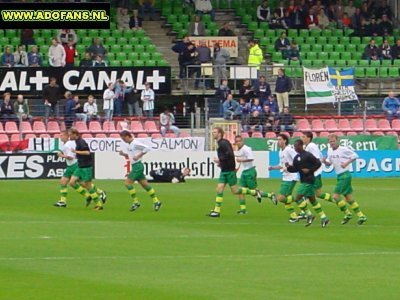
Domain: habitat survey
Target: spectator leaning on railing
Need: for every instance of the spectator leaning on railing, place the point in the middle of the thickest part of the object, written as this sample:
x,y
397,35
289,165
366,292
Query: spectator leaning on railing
x,y
221,57
391,106
69,110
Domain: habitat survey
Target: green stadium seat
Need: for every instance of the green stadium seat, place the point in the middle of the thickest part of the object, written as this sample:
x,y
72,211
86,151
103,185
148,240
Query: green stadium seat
x,y
144,56
271,33
115,63
104,34
264,26
328,48
360,72
333,40
110,40
315,32
133,41
126,63
246,19
375,63
212,26
93,33
355,40
156,56
396,62
344,40
145,41
357,55
294,63
316,48
139,48
150,63
166,11
339,47
292,33
311,55
322,40
304,33
346,55
326,32
259,33
241,12
80,48
15,41
341,63
337,32
122,40
383,72
128,48
264,41
393,72
334,55
207,19
133,56
323,55
5,41
151,48
183,18
117,33
171,18
318,63
276,56
253,26
128,33
110,56
162,63
330,62
115,48
351,62
138,63
363,63
371,72
120,56
184,32
87,41
47,33
348,31
307,63
305,48
310,40
387,62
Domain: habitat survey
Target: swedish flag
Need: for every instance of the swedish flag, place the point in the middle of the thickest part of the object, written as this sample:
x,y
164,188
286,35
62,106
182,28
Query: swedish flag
x,y
341,78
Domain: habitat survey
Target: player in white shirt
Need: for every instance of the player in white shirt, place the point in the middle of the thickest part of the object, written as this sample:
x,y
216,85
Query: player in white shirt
x,y
286,156
134,152
311,147
248,179
72,164
341,158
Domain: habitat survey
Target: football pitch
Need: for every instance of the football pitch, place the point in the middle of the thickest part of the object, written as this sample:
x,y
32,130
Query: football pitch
x,y
179,253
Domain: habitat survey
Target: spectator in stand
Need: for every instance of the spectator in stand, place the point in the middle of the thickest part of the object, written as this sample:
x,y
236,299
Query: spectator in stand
x,y
7,59
256,122
90,109
21,108
371,51
20,57
56,54
135,22
123,4
70,54
287,21
246,91
268,119
283,86
225,30
311,19
148,97
396,50
385,26
147,5
386,50
120,91
298,17
349,9
231,108
291,6
282,44
384,9
221,57
65,36
167,121
323,20
339,10
294,52
27,37
203,57
391,107
223,90
263,12
273,105
86,61
285,121
7,109
51,97
99,61
122,19
108,102
179,48
69,112
188,58
132,100
262,89
97,49
372,28
256,106
34,58
346,21
197,28
275,22
204,7
79,113
256,55
331,14
366,12
357,22
281,9
245,109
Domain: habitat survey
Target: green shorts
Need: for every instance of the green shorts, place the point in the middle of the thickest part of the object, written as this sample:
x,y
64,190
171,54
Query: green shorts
x,y
343,184
69,170
137,172
84,174
306,190
318,182
249,178
287,187
228,178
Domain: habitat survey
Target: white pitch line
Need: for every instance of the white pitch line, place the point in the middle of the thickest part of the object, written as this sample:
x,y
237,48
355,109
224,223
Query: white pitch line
x,y
173,257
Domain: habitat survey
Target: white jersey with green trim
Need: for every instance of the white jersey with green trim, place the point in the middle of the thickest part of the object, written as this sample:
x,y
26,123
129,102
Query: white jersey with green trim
x,y
286,156
314,150
339,156
67,150
134,148
247,153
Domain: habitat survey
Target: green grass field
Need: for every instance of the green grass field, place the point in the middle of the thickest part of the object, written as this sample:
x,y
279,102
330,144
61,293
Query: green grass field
x,y
178,253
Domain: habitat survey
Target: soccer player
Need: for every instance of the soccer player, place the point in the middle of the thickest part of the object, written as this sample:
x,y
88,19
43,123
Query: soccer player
x,y
136,150
245,157
341,158
226,161
72,165
170,175
286,156
82,177
314,150
306,164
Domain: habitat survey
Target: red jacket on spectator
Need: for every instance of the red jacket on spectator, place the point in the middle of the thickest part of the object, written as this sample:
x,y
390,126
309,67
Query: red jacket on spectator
x,y
69,54
313,21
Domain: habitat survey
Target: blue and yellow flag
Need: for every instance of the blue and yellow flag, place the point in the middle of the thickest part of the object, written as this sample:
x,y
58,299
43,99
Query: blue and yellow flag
x,y
341,78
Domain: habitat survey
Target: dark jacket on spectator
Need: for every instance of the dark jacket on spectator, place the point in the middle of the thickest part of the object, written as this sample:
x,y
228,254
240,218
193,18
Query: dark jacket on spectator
x,y
52,94
283,84
135,23
371,51
86,63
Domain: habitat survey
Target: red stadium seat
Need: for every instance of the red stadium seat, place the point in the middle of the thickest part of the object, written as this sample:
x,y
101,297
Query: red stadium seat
x,y
109,127
297,134
396,125
330,125
1,127
184,134
95,127
45,136
115,135
26,127
142,135
394,133
156,136
56,136
87,136
4,138
81,127
384,125
344,125
150,127
257,134
324,134
53,127
351,133
245,135
285,133
317,125
11,127
137,127
370,125
339,133
170,135
101,136
357,125
39,127
378,133
269,135
16,137
303,125
29,136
